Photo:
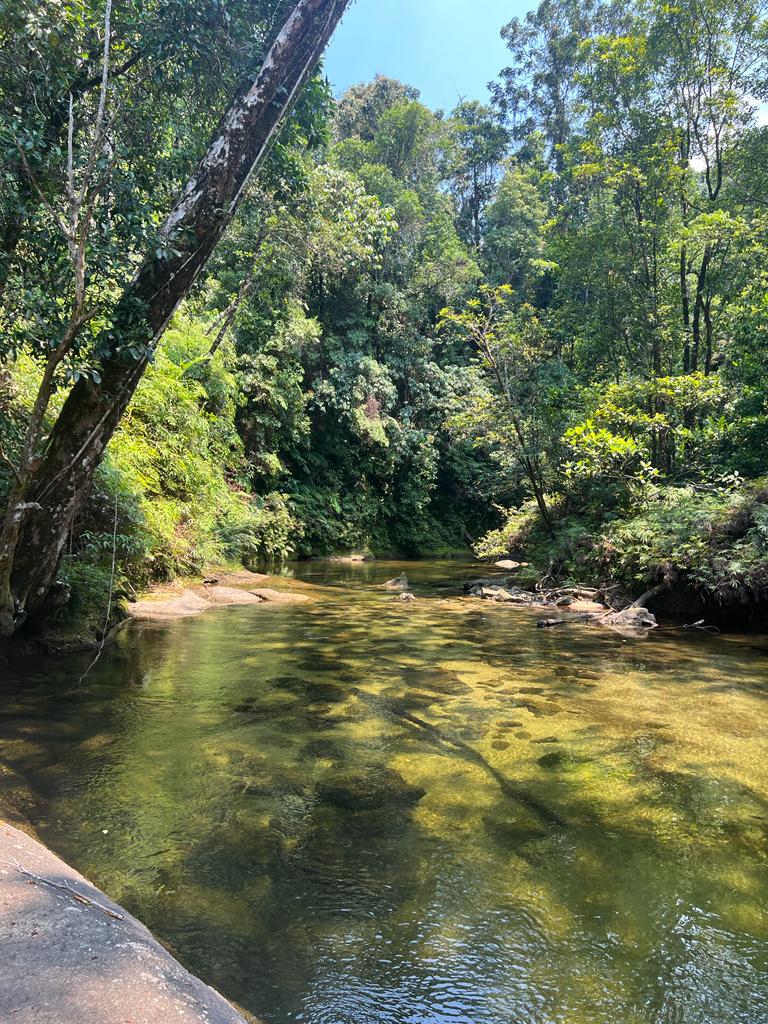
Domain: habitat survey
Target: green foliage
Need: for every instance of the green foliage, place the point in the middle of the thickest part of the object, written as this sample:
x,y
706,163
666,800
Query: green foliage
x,y
715,538
168,498
260,530
90,586
513,536
541,322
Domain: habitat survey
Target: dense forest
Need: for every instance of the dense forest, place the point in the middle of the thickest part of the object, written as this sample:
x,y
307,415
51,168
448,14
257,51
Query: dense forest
x,y
534,327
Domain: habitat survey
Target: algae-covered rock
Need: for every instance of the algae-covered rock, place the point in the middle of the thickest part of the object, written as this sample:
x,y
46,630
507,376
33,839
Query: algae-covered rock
x,y
447,683
511,833
369,790
553,760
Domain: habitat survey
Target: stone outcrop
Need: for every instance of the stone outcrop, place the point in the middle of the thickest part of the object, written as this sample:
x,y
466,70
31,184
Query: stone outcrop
x,y
180,602
398,583
279,596
187,602
70,955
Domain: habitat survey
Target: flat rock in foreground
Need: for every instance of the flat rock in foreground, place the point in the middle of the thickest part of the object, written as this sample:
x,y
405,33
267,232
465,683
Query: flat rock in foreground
x,y
69,955
184,603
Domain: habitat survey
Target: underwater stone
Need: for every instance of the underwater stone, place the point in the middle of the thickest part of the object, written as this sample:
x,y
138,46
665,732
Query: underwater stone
x,y
381,787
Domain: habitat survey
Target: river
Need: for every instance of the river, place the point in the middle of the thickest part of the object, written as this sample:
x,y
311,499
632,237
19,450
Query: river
x,y
362,811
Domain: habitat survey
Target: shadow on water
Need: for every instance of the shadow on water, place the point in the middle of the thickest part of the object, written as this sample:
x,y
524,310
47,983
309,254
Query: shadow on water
x,y
353,811
454,745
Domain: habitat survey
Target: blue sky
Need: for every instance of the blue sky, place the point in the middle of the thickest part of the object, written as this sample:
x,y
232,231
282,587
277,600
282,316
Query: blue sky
x,y
450,49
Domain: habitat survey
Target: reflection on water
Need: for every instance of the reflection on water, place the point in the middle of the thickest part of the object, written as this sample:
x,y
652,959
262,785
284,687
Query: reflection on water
x,y
360,811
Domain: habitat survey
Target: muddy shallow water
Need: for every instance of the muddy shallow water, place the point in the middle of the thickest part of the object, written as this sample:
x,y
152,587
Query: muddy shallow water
x,y
360,811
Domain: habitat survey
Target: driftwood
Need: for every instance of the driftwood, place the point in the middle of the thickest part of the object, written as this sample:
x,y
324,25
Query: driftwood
x,y
631,620
702,626
642,601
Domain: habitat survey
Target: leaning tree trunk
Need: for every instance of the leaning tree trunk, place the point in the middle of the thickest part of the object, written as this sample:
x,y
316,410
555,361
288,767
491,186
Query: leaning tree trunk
x,y
92,410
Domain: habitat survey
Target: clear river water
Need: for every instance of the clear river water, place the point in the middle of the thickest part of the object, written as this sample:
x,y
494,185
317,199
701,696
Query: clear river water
x,y
362,811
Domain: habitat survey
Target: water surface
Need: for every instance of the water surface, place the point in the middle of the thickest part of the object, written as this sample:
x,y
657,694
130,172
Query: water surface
x,y
359,811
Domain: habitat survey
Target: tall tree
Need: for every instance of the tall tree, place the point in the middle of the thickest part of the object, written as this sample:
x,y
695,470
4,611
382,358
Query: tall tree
x,y
53,474
480,145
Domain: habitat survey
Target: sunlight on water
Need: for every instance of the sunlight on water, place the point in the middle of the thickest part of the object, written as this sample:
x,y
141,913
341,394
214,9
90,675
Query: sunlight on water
x,y
360,811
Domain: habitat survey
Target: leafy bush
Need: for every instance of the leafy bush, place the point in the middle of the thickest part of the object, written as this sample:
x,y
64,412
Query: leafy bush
x,y
260,530
168,497
513,535
713,537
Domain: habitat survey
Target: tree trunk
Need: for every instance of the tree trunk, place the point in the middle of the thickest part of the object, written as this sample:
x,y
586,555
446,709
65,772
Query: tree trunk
x,y
187,238
708,335
11,234
686,308
698,306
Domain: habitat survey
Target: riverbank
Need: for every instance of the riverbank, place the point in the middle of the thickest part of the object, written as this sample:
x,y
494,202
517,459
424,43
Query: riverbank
x,y
186,598
181,598
69,953
701,549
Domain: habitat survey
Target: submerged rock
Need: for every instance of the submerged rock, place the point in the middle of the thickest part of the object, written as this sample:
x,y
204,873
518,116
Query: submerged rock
x,y
553,760
311,691
540,710
446,683
510,833
323,749
373,789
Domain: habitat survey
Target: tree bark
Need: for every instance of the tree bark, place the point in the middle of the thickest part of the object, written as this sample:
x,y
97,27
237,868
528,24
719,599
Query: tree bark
x,y
210,199
708,335
698,307
686,309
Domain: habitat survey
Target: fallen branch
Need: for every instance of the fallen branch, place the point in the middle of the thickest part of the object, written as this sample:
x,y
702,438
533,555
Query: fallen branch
x,y
642,601
701,625
66,887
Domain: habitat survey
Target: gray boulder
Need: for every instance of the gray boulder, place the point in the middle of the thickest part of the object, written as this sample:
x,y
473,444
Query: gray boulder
x,y
398,583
